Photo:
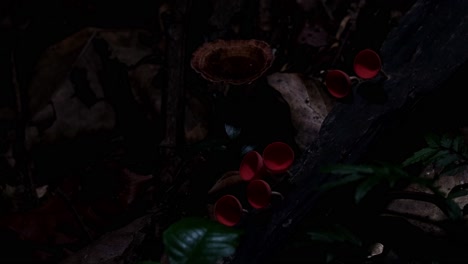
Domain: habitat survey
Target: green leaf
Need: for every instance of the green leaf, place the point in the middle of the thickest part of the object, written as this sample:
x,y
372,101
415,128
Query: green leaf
x,y
348,169
363,188
396,174
334,234
446,160
421,155
340,182
432,140
383,171
198,240
438,155
446,141
148,262
322,236
454,169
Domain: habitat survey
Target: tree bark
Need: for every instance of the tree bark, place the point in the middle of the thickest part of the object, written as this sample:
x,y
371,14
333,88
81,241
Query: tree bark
x,y
426,50
175,26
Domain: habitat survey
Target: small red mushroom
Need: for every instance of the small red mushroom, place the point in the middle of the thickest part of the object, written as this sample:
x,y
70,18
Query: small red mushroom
x,y
259,194
367,64
251,166
338,83
228,210
278,157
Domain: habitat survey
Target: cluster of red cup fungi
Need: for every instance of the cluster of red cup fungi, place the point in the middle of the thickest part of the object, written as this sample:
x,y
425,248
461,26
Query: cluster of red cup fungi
x,y
277,158
366,65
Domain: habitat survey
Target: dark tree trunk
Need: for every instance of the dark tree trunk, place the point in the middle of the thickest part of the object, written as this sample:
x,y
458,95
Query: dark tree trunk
x,y
426,51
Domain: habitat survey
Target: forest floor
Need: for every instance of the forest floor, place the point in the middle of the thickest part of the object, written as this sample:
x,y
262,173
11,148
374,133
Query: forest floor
x,y
104,145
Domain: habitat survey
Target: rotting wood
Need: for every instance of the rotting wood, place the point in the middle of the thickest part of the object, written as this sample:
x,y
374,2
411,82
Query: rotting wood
x,y
426,50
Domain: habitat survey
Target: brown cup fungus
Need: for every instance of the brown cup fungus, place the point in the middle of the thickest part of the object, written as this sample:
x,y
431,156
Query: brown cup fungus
x,y
232,61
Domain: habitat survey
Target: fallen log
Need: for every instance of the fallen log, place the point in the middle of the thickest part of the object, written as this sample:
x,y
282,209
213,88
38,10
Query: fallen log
x,y
425,51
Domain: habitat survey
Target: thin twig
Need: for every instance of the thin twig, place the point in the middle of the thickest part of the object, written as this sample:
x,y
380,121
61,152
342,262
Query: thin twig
x,y
75,213
14,80
351,26
22,153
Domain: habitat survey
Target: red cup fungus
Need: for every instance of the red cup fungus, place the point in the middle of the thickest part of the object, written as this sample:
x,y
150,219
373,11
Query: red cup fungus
x,y
232,61
338,83
258,194
228,210
367,64
251,166
278,157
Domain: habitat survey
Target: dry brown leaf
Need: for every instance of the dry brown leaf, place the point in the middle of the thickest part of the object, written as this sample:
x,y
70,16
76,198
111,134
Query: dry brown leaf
x,y
66,94
230,178
41,191
307,113
54,65
125,45
223,11
308,5
321,100
133,186
146,94
375,250
42,224
73,118
313,35
111,247
414,210
445,184
196,124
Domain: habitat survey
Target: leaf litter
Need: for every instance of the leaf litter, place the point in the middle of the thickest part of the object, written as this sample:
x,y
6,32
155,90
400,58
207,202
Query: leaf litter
x,y
307,109
67,101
